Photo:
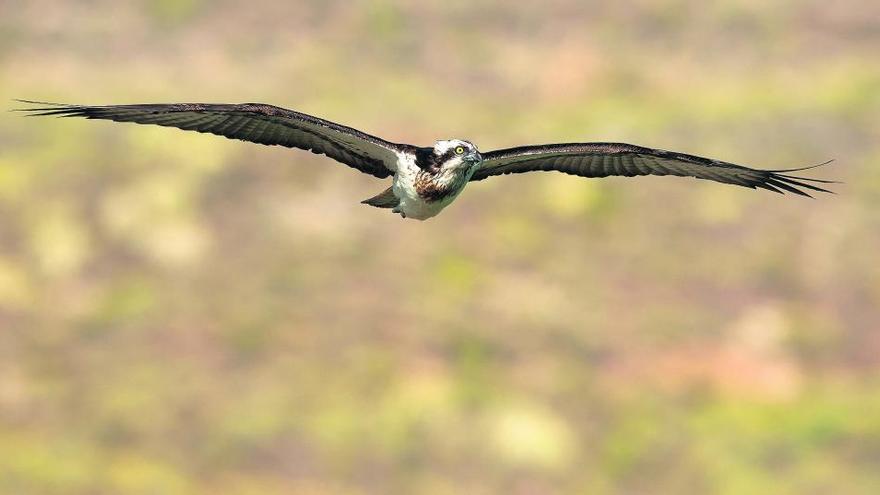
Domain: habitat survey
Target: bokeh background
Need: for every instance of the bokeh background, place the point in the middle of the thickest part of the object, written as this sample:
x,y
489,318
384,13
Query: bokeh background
x,y
183,314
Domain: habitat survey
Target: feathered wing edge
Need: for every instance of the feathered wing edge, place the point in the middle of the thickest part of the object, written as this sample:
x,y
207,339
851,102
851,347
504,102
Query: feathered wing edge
x,y
659,162
374,163
780,179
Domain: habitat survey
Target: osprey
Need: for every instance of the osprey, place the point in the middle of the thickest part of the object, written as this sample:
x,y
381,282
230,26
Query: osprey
x,y
427,179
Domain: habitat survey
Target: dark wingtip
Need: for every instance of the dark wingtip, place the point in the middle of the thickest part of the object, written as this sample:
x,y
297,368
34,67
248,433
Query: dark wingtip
x,y
48,108
34,102
781,181
791,184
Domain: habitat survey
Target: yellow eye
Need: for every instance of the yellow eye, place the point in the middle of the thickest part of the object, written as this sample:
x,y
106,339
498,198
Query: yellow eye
x,y
459,150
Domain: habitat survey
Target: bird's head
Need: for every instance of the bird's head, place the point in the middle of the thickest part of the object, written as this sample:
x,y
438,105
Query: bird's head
x,y
456,154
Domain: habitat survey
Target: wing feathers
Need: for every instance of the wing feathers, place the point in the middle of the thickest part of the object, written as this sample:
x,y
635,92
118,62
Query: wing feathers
x,y
258,123
606,159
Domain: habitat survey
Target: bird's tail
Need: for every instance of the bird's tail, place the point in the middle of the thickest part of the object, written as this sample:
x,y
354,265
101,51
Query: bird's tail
x,y
385,199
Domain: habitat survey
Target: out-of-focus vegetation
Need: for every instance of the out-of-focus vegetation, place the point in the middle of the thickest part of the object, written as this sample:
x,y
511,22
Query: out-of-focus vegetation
x,y
182,314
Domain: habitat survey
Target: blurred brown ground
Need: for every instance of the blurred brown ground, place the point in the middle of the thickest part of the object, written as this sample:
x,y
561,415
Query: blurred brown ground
x,y
185,314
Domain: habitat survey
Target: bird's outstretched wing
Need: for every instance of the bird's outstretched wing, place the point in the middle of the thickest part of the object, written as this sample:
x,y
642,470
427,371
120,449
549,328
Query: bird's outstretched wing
x,y
254,122
606,159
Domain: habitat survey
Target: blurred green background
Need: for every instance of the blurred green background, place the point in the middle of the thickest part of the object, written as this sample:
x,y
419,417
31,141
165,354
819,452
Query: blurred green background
x,y
184,314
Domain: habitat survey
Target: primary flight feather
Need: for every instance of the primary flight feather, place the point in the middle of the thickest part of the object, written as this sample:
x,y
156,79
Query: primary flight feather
x,y
427,179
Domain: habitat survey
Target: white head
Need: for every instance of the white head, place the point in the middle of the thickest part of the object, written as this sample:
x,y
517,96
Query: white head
x,y
453,154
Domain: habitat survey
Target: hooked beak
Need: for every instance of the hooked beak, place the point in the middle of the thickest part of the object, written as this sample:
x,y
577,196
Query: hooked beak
x,y
474,157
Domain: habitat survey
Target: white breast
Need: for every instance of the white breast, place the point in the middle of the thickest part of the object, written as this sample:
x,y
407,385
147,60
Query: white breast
x,y
404,187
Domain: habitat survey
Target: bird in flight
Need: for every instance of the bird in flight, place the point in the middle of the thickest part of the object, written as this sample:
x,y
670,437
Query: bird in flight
x,y
427,179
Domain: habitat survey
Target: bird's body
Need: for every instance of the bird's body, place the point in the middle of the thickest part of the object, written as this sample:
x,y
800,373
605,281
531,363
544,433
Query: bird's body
x,y
427,179
424,183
